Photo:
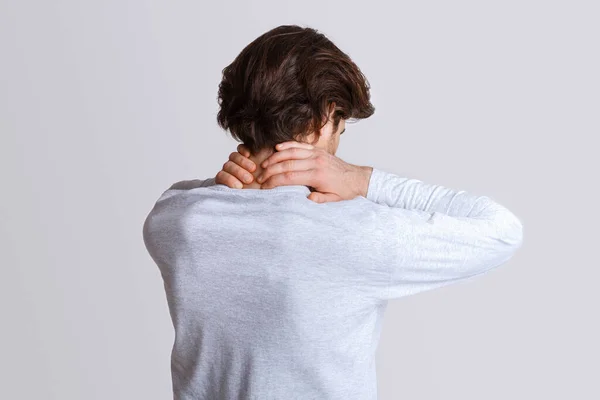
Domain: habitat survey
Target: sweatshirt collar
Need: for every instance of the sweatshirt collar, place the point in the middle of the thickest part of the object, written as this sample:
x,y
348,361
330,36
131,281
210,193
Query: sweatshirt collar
x,y
279,189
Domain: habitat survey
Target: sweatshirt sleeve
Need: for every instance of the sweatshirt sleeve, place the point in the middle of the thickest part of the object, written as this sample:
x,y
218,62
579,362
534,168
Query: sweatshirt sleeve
x,y
440,235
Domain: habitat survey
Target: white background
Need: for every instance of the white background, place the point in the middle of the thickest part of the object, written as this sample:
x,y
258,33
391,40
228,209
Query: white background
x,y
104,104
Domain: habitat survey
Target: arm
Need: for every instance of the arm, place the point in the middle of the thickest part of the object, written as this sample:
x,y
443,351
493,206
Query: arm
x,y
412,194
439,235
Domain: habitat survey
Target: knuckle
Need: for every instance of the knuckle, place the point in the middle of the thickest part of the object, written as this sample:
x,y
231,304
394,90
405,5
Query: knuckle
x,y
241,175
235,169
289,175
270,170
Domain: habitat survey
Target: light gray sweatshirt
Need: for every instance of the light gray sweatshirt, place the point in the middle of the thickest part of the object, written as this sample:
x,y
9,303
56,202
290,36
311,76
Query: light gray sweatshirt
x,y
276,297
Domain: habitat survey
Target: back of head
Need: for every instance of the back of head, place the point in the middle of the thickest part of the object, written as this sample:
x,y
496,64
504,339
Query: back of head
x,y
285,84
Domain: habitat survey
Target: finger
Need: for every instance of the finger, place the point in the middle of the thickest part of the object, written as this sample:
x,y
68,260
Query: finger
x,y
225,178
294,153
243,161
285,166
294,143
238,172
243,150
319,197
290,178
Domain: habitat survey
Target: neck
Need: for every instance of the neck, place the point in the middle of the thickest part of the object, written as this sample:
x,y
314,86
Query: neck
x,y
258,158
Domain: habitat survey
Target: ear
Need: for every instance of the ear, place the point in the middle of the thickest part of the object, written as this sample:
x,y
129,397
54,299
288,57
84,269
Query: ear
x,y
311,138
328,119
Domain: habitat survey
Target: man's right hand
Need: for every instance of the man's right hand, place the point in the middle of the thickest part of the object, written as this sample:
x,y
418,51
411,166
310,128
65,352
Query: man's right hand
x,y
296,163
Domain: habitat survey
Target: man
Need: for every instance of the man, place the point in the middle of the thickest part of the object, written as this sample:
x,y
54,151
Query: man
x,y
277,285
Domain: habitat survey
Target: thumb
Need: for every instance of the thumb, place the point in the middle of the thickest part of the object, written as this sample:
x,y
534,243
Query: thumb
x,y
319,197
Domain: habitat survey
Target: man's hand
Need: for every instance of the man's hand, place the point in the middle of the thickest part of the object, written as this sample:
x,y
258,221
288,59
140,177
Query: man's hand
x,y
297,163
238,170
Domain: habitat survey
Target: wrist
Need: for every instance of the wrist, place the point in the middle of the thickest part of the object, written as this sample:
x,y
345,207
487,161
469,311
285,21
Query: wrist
x,y
363,177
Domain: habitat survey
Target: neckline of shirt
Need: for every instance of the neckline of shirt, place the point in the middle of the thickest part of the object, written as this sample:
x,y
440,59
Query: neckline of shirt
x,y
279,189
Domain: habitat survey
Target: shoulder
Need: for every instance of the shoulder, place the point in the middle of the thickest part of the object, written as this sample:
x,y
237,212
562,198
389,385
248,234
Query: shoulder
x,y
183,189
192,184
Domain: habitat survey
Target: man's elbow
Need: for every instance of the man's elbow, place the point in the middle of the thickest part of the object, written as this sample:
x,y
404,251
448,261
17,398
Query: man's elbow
x,y
510,239
501,245
512,232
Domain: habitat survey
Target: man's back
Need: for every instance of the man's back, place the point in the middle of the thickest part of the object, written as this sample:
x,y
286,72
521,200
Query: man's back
x,y
273,296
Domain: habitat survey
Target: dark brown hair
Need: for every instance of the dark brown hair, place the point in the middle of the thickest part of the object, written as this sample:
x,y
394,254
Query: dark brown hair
x,y
283,84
